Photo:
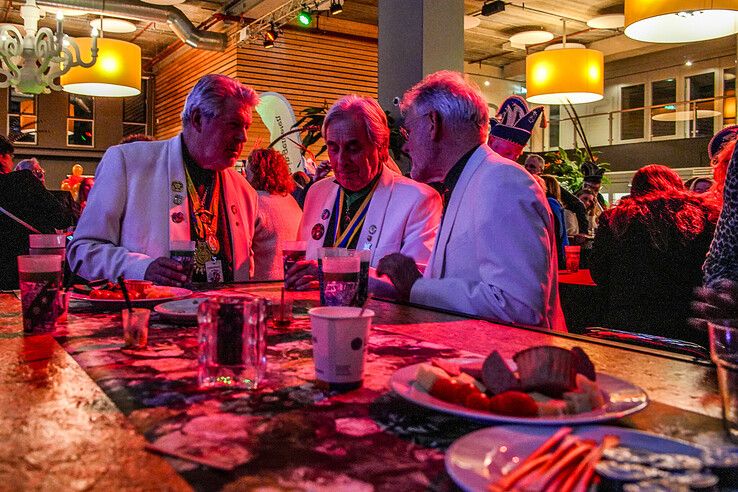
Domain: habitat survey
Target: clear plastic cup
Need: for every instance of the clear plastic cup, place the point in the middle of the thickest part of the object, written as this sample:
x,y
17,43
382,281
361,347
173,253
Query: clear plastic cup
x,y
340,275
724,353
40,279
292,252
135,327
183,252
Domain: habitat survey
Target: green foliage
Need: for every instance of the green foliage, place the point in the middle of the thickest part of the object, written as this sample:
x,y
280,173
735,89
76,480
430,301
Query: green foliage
x,y
566,166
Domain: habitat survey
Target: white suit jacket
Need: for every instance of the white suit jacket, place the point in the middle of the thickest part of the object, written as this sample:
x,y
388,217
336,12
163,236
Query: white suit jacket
x,y
403,217
495,255
134,208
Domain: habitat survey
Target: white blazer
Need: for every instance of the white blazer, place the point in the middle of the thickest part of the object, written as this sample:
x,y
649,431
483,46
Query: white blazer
x,y
495,255
403,217
135,207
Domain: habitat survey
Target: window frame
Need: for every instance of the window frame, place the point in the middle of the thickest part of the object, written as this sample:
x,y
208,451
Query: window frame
x,y
21,115
73,119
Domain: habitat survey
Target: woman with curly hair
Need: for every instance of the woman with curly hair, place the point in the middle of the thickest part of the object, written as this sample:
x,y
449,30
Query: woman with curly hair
x,y
279,214
648,253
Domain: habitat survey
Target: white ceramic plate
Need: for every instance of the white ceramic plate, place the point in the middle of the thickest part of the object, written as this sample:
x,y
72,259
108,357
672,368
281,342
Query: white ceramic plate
x,y
182,311
177,293
476,459
621,398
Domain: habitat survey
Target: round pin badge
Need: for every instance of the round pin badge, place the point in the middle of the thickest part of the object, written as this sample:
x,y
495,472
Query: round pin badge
x,y
234,209
177,217
326,213
317,231
372,229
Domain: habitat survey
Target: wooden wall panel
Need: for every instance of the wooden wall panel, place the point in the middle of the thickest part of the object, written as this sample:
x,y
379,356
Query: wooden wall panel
x,y
308,68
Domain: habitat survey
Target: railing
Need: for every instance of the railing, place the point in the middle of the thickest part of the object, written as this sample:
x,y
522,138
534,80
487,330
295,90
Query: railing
x,y
678,120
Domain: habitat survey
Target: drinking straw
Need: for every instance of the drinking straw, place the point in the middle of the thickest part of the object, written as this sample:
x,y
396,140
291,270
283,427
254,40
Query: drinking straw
x,y
21,222
281,306
122,284
361,313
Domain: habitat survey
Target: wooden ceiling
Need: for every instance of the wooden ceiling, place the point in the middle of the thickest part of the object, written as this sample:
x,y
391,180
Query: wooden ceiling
x,y
484,44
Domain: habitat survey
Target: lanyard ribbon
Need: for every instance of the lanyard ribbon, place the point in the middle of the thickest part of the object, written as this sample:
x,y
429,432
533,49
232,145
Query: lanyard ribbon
x,y
210,226
342,239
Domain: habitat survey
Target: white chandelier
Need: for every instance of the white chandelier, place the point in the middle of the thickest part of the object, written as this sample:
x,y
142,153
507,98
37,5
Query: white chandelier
x,y
30,63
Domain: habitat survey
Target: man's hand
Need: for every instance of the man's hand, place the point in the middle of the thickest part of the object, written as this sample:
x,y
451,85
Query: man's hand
x,y
714,304
402,271
303,275
164,271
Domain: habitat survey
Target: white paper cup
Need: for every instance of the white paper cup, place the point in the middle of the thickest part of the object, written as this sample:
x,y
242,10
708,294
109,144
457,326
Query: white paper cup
x,y
339,345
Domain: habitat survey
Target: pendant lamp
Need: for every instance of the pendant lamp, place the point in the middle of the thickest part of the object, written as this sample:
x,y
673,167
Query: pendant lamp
x,y
680,21
117,72
564,75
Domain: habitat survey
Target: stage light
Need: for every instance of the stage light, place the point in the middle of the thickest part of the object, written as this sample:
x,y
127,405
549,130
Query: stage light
x,y
491,8
270,36
304,17
336,7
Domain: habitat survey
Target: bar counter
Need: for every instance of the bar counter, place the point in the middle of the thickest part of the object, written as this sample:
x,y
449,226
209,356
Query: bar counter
x,y
79,413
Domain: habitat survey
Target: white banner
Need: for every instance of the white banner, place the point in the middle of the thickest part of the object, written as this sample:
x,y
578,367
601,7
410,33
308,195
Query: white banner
x,y
277,114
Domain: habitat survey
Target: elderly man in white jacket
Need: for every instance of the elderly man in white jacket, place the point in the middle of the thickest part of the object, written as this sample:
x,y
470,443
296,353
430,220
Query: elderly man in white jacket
x,y
367,206
149,195
495,255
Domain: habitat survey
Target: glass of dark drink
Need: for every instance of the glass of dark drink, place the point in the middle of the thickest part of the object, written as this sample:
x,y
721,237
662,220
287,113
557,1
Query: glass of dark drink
x,y
292,252
183,252
232,341
40,279
362,289
340,280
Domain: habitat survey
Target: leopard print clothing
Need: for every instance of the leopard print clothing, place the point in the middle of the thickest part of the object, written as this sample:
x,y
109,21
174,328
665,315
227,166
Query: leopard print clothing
x,y
722,259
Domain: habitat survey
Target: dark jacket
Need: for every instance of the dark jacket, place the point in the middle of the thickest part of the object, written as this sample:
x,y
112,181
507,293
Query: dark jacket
x,y
645,289
25,197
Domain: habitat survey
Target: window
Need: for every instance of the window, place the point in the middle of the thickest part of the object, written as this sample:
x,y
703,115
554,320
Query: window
x,y
632,122
22,117
702,86
729,117
80,121
554,127
134,112
663,115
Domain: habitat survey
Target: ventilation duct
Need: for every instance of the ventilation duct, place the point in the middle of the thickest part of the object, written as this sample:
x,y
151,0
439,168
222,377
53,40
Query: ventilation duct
x,y
135,9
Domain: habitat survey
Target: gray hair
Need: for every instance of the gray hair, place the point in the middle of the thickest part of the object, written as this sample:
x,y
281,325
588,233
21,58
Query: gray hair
x,y
369,110
27,164
456,98
211,92
535,157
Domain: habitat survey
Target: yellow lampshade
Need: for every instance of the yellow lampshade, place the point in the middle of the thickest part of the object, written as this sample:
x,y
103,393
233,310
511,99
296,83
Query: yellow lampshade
x,y
568,74
680,21
117,72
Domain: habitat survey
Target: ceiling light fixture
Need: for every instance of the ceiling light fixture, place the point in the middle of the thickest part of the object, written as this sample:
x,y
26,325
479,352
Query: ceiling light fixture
x,y
568,74
608,21
117,72
471,21
336,7
531,37
270,36
32,62
491,8
680,21
110,24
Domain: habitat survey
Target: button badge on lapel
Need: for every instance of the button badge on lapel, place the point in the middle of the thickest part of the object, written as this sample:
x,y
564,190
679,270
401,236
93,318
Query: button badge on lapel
x,y
317,231
326,213
177,186
177,217
178,199
372,229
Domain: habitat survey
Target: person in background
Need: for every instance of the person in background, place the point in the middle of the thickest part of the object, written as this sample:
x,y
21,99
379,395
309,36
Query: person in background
x,y
302,184
136,137
279,214
85,186
6,155
495,255
553,195
717,300
699,184
534,164
34,166
648,253
147,194
368,206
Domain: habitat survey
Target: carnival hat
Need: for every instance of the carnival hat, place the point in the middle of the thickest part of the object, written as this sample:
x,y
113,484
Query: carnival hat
x,y
720,138
514,122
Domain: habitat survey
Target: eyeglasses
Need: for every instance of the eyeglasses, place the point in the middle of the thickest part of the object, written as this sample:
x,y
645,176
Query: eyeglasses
x,y
403,128
39,173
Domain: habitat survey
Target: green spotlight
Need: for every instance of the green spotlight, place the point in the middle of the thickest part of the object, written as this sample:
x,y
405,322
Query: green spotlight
x,y
304,18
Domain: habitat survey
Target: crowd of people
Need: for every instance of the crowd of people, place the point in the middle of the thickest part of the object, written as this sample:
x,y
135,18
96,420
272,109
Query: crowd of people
x,y
470,230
